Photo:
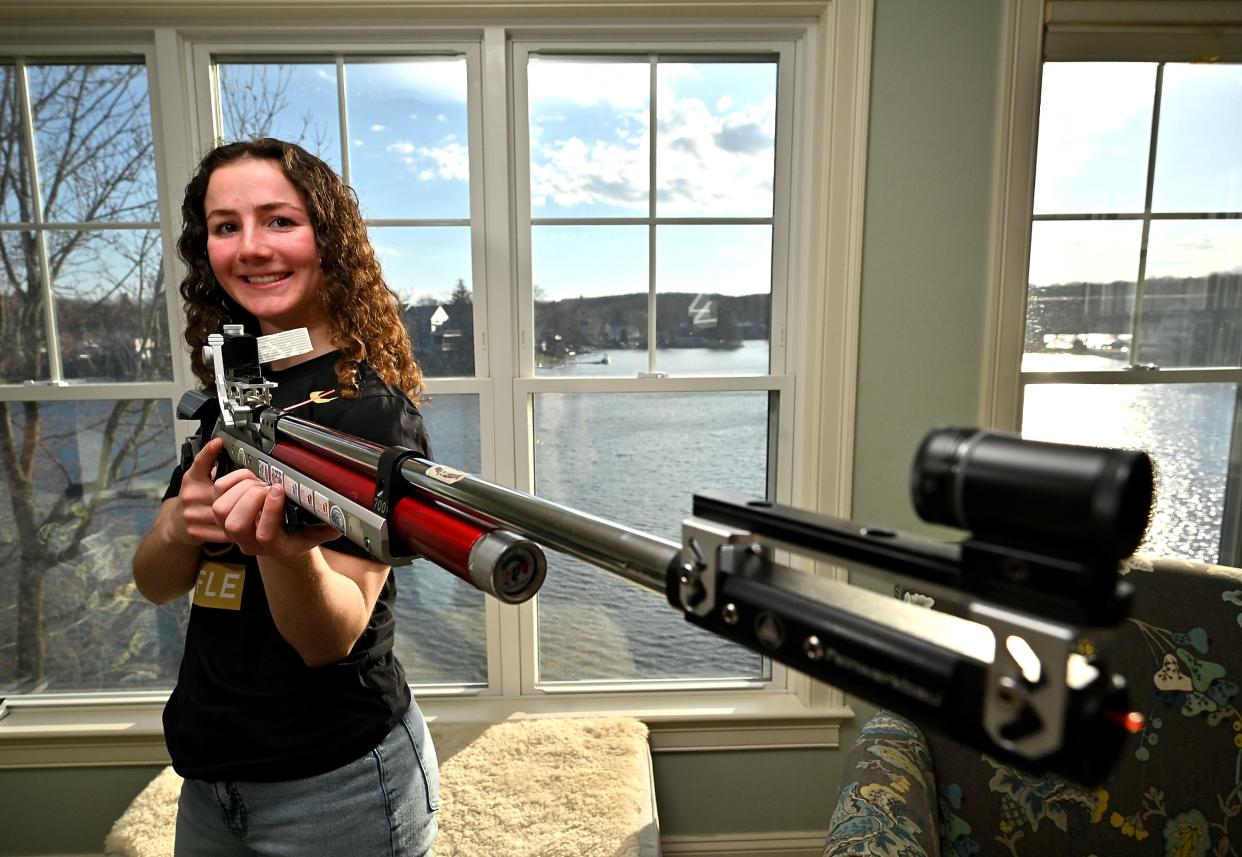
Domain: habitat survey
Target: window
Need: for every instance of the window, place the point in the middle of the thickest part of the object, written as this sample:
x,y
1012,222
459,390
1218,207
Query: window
x,y
86,434
1134,307
600,290
397,129
652,196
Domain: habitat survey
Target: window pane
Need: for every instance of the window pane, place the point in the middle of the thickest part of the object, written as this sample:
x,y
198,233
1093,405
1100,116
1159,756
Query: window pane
x,y
637,459
1192,297
591,297
716,141
441,637
715,287
1198,158
1186,428
292,101
72,620
14,182
589,137
408,149
23,330
1094,130
429,268
112,319
93,139
1081,299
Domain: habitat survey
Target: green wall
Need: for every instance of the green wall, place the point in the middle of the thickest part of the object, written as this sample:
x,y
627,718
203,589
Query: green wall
x,y
930,162
64,810
925,241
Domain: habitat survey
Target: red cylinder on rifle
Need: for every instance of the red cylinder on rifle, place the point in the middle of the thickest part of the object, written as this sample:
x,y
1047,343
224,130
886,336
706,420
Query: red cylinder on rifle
x,y
500,563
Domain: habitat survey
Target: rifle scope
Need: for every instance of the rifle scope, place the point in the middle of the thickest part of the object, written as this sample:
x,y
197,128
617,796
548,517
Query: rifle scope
x,y
1007,490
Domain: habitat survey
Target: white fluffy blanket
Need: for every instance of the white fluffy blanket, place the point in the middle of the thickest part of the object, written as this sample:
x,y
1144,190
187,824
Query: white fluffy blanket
x,y
547,787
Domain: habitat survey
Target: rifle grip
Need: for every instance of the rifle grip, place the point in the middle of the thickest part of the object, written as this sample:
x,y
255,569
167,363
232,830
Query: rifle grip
x,y
190,449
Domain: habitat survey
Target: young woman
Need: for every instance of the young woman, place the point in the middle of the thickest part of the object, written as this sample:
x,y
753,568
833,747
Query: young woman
x,y
291,720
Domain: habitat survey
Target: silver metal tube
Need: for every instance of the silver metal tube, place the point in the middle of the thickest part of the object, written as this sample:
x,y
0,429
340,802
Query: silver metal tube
x,y
637,556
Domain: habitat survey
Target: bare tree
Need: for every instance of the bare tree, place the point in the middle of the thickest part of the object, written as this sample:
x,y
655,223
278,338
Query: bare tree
x,y
84,477
79,474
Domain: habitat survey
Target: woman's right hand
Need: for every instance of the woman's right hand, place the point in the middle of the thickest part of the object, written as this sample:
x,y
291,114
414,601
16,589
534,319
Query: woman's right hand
x,y
198,494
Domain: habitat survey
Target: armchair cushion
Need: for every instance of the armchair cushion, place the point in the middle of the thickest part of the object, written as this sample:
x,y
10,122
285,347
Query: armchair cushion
x,y
887,804
1177,789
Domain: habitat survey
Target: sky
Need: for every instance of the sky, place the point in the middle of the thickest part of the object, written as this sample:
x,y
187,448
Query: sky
x,y
1094,141
590,139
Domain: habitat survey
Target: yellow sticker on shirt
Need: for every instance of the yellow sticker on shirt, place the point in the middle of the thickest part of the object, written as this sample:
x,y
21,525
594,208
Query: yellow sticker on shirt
x,y
220,585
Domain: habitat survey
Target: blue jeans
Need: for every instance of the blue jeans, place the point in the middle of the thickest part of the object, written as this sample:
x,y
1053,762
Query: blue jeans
x,y
381,805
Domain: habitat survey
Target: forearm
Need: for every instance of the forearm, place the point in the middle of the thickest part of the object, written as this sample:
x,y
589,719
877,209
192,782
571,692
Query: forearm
x,y
166,562
318,610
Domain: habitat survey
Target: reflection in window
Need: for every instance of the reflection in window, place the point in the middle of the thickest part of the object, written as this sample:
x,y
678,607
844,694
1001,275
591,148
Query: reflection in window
x,y
408,150
95,311
289,101
716,139
1198,160
1185,428
1192,294
1094,128
92,127
654,251
589,136
1136,264
1081,299
637,459
429,269
82,484
110,308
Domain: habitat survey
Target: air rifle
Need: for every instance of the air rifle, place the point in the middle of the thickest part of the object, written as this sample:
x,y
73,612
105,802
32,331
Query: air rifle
x,y
1047,528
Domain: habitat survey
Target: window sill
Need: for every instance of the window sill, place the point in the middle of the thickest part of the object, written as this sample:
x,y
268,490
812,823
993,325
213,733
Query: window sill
x,y
77,732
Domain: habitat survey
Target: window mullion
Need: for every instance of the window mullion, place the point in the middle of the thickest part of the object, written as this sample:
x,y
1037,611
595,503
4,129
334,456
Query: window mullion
x,y
502,438
1140,282
55,368
652,286
342,114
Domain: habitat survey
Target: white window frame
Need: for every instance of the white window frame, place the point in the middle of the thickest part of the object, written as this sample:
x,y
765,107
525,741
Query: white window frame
x,y
527,384
820,342
1135,30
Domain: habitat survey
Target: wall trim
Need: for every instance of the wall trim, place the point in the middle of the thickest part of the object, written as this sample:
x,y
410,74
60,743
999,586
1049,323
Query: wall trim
x,y
1000,394
775,844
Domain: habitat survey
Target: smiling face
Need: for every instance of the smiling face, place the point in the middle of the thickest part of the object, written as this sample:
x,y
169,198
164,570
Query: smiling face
x,y
261,245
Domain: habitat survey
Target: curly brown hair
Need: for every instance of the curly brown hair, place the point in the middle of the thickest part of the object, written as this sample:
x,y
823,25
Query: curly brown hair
x,y
363,312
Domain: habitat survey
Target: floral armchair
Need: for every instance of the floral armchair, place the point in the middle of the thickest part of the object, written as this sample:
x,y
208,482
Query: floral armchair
x,y
1175,792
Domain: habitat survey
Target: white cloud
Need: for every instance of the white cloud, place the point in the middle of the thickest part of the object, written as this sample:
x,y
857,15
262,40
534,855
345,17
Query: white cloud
x,y
622,86
717,161
378,127
1089,112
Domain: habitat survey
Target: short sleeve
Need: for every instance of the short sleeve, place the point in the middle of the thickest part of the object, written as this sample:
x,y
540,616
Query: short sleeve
x,y
388,420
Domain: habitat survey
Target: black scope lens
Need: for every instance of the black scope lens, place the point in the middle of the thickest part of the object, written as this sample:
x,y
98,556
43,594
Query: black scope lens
x,y
1057,496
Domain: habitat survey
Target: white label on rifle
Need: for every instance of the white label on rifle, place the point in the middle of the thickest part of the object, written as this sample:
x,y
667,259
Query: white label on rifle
x,y
444,474
277,346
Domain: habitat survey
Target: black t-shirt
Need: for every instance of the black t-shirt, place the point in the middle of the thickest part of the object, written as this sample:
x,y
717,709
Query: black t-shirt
x,y
246,706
